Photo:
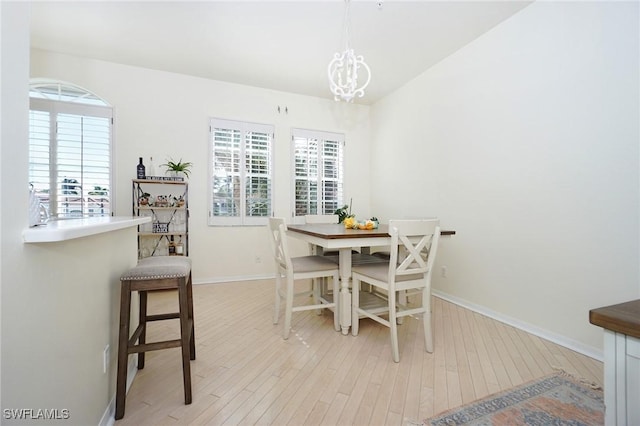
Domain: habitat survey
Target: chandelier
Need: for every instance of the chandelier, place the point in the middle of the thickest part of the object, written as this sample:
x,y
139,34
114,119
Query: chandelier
x,y
343,69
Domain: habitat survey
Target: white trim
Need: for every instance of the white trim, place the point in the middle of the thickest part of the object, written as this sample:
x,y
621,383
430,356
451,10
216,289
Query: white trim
x,y
317,134
238,278
36,83
564,341
64,107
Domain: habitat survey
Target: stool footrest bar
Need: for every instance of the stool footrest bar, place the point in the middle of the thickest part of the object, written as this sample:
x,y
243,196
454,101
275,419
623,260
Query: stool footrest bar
x,y
162,317
155,346
136,335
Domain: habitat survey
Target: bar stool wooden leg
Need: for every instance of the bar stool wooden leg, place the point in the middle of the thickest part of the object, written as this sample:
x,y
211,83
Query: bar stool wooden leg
x,y
185,337
192,345
143,324
123,353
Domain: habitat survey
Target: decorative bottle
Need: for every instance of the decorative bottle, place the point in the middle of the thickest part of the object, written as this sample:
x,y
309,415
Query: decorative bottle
x,y
141,170
151,168
172,247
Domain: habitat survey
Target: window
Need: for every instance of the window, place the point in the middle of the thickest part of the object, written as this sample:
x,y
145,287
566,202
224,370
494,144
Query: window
x,y
70,142
241,173
318,171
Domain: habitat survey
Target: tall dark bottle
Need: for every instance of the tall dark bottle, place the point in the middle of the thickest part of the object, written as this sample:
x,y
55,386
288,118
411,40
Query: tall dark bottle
x,y
141,170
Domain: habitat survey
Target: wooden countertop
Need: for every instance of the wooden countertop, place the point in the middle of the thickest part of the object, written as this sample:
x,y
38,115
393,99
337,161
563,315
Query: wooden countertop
x,y
622,318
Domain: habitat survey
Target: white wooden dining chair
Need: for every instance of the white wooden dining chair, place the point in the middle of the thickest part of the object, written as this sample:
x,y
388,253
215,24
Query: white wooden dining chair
x,y
413,238
290,269
314,249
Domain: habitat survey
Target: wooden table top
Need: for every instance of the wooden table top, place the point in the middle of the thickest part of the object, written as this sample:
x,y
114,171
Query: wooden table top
x,y
338,231
622,318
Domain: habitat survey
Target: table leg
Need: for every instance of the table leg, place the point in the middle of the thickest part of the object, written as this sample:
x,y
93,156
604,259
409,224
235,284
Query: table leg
x,y
345,294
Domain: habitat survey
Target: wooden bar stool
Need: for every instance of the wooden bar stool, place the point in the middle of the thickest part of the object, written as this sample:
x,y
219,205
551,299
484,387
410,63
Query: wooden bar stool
x,y
155,273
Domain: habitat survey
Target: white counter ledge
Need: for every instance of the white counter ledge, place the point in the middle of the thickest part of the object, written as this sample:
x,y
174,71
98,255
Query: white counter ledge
x,y
68,229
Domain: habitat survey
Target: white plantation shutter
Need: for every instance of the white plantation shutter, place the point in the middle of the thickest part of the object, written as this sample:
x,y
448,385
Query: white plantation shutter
x,y
226,172
241,173
258,174
40,132
306,176
332,166
70,157
318,171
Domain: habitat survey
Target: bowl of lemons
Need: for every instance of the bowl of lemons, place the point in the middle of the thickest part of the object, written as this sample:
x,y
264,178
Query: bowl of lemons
x,y
352,223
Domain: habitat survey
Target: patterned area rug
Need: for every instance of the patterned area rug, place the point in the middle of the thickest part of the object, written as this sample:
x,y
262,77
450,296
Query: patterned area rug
x,y
554,400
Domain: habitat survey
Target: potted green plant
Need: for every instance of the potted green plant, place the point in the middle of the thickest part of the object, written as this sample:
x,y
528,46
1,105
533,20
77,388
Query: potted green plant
x,y
178,167
344,212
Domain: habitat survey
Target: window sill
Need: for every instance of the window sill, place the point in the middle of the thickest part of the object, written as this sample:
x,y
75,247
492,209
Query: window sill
x,y
63,230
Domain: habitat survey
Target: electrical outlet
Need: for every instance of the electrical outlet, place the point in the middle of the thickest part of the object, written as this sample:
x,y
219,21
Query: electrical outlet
x,y
443,271
106,354
258,259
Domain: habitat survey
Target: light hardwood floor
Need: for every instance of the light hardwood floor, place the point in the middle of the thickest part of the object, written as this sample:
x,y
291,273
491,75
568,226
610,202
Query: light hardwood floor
x,y
245,373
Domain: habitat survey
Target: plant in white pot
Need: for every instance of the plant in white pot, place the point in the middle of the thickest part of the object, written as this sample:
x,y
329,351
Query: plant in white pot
x,y
178,168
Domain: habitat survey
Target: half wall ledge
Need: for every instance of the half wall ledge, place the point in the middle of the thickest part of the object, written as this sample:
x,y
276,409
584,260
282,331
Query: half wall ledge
x,y
68,229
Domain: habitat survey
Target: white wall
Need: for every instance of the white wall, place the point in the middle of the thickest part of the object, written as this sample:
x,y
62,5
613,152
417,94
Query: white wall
x,y
526,143
163,115
60,301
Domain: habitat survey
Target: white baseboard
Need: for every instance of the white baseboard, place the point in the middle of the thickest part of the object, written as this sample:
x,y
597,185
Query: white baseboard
x,y
574,345
108,418
235,278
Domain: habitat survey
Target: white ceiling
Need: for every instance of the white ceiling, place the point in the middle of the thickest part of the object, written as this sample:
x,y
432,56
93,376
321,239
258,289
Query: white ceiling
x,y
280,45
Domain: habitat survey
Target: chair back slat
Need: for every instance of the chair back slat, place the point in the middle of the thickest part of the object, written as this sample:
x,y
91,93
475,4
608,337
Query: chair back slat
x,y
413,247
278,233
413,262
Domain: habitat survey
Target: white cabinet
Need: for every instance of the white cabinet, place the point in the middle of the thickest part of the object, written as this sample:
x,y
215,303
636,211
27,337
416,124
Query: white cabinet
x,y
166,202
621,325
622,379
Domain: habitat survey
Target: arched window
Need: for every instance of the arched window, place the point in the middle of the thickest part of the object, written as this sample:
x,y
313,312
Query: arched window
x,y
70,149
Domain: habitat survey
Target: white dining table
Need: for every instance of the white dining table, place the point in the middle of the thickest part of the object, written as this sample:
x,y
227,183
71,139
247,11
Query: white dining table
x,y
337,237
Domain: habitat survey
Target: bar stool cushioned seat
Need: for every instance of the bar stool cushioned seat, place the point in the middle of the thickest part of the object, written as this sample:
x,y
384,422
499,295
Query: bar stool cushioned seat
x,y
155,273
